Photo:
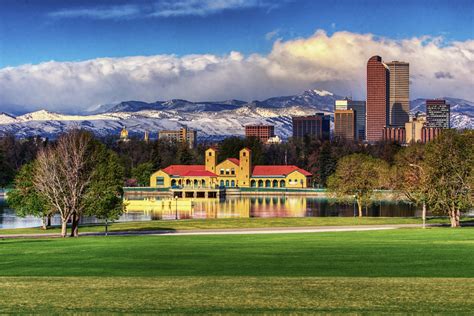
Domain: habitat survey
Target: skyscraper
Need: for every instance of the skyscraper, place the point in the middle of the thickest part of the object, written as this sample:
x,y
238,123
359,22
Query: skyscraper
x,y
437,113
316,126
260,131
378,94
399,104
345,124
359,109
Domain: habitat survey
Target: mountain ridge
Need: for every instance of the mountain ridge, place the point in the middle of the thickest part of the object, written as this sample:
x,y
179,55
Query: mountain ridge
x,y
210,119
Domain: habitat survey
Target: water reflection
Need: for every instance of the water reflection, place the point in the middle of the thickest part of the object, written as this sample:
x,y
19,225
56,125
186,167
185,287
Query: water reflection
x,y
233,207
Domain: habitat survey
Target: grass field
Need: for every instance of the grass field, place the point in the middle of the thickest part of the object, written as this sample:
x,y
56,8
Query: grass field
x,y
405,271
240,223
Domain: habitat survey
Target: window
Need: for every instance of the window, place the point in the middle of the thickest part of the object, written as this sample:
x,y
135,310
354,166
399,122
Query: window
x,y
244,154
160,181
232,171
222,171
227,171
210,154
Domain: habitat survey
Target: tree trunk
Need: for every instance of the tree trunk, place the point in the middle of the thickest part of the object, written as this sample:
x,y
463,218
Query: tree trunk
x,y
49,220
454,216
63,227
43,223
75,225
457,218
423,215
359,206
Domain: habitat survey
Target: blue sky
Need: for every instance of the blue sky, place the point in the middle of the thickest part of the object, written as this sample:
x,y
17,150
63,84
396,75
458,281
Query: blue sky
x,y
80,54
36,31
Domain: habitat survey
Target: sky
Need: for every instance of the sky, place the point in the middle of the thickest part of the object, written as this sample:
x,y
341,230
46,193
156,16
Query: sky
x,y
64,55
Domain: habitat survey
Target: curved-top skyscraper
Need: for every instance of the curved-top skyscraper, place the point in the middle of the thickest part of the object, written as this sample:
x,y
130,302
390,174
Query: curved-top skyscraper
x,y
378,96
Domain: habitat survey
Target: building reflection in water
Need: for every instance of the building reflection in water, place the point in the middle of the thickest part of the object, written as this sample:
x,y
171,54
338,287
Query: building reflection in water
x,y
267,207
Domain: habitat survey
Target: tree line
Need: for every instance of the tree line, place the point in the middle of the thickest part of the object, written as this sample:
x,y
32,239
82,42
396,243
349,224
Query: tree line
x,y
92,171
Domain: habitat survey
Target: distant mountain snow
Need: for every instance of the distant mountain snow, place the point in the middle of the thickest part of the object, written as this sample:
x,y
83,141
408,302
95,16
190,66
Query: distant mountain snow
x,y
211,119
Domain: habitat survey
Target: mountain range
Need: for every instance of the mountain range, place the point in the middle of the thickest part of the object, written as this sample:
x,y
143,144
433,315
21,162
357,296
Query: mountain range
x,y
212,120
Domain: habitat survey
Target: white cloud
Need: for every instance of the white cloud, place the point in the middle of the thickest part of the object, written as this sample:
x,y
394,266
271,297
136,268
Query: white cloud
x,y
336,63
163,8
100,13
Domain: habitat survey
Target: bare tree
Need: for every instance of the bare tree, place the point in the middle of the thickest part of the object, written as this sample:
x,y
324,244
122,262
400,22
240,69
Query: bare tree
x,y
63,174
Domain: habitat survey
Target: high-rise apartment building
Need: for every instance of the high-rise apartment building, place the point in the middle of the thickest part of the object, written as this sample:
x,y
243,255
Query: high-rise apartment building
x,y
399,100
437,113
378,95
359,109
262,132
345,124
183,135
316,126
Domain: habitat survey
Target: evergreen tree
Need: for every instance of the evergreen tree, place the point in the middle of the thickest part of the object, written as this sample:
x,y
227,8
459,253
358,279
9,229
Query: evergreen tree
x,y
143,172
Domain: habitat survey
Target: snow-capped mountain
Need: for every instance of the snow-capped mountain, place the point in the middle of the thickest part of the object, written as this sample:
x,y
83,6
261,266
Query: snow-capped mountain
x,y
210,119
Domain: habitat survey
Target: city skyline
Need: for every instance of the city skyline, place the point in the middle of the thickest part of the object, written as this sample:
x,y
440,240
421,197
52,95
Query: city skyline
x,y
81,54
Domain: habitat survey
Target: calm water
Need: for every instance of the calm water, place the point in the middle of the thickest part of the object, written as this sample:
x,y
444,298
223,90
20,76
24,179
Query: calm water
x,y
238,207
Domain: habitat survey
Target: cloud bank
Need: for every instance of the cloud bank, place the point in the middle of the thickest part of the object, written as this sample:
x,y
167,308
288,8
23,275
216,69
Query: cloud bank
x,y
336,63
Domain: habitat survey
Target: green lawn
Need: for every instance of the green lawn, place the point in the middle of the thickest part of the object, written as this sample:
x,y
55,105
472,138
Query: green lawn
x,y
240,223
405,270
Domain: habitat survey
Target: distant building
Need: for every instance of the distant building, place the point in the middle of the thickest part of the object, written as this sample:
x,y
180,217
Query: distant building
x,y
260,131
274,140
359,108
317,126
378,95
345,124
183,135
399,101
430,133
414,129
124,134
437,113
394,134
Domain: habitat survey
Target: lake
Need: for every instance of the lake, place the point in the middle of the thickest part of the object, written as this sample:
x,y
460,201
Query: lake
x,y
236,207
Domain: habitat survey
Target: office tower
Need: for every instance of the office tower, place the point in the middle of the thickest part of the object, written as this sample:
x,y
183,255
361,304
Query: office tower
x,y
399,101
183,135
378,94
345,124
359,109
437,113
317,126
262,132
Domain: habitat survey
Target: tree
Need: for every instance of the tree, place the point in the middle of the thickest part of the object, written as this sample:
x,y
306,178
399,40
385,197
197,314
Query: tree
x,y
357,175
409,175
26,200
142,173
104,194
6,171
449,174
63,173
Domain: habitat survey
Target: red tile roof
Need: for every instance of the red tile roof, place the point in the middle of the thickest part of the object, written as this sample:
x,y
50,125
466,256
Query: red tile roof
x,y
188,171
282,170
234,160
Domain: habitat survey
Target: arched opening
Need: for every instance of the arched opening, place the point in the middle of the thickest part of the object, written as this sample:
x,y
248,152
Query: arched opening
x,y
267,183
252,183
260,183
232,183
203,183
195,183
188,182
173,183
282,183
222,183
227,183
275,183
